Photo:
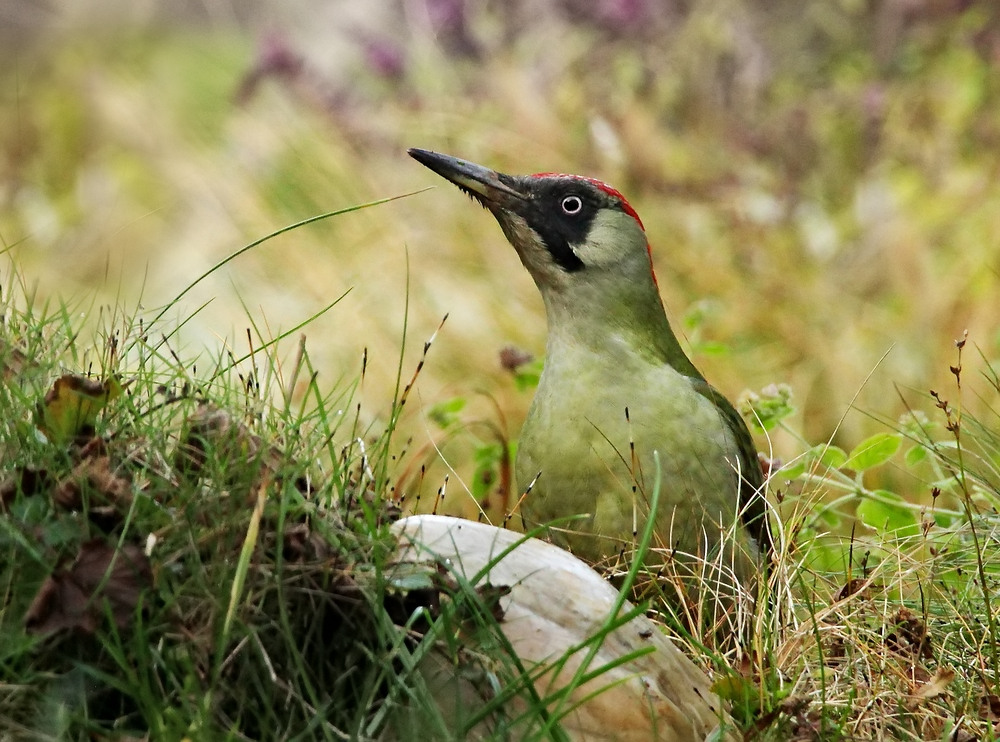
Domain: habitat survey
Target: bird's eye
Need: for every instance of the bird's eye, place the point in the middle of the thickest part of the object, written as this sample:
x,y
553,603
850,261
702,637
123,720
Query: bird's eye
x,y
572,205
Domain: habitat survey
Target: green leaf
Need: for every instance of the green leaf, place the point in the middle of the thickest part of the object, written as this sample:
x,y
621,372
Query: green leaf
x,y
915,455
830,519
830,456
73,404
712,348
795,469
735,688
944,520
884,516
527,376
763,410
486,473
820,552
407,577
873,451
445,414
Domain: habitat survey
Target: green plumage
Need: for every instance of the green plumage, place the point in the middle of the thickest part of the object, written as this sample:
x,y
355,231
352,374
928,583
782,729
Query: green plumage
x,y
610,350
590,459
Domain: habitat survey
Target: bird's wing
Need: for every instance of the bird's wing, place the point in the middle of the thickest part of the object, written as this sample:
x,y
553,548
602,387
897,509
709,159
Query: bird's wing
x,y
752,506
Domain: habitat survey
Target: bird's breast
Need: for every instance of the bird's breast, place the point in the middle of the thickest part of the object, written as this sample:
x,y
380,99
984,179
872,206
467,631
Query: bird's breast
x,y
590,430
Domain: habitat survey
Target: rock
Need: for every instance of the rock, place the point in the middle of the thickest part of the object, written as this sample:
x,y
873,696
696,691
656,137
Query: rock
x,y
555,605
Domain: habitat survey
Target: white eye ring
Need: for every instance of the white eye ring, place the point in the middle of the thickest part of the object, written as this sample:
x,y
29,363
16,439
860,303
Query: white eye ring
x,y
572,205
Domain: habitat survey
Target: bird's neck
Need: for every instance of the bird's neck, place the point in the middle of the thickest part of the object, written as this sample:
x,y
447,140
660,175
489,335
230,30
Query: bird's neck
x,y
617,324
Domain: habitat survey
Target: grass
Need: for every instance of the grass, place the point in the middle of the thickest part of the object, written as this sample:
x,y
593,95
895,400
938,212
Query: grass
x,y
170,658
834,232
203,554
207,557
188,559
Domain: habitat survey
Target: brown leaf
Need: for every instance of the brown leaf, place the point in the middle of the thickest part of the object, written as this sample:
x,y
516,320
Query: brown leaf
x,y
300,544
102,485
490,595
932,688
13,361
910,635
792,707
214,430
27,481
989,707
99,579
853,586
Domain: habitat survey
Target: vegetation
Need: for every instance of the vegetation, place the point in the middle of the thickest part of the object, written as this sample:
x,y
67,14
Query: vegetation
x,y
824,231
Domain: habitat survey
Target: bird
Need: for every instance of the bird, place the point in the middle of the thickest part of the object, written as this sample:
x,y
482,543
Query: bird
x,y
616,387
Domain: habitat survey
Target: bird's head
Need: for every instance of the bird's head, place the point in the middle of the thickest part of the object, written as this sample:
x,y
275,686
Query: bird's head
x,y
569,231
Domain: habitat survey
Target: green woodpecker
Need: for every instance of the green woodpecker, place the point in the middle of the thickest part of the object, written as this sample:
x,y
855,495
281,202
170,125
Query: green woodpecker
x,y
617,386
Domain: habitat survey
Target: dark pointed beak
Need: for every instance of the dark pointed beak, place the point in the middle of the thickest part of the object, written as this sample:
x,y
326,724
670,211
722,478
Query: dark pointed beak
x,y
487,186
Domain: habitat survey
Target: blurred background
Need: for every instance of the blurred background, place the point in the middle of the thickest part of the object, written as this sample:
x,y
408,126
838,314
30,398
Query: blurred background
x,y
820,181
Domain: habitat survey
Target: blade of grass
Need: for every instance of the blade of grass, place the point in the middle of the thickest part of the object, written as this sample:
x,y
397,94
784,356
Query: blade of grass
x,y
272,235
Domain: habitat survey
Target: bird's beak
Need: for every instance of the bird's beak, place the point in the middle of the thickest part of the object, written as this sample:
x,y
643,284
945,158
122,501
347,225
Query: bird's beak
x,y
492,189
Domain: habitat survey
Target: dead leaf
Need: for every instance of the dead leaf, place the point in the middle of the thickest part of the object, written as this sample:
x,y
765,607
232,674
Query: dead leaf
x,y
932,688
214,430
72,405
791,707
490,595
989,707
27,481
13,361
300,544
99,579
856,585
910,635
918,674
107,491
